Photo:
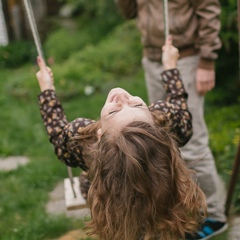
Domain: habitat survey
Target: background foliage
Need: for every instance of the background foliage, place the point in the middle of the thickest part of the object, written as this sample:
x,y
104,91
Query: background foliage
x,y
100,50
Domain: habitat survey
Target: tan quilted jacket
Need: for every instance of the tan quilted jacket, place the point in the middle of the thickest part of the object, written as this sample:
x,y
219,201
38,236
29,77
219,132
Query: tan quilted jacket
x,y
194,25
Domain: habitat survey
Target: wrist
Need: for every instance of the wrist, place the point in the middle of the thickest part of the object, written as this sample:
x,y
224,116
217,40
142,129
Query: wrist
x,y
206,64
44,88
169,66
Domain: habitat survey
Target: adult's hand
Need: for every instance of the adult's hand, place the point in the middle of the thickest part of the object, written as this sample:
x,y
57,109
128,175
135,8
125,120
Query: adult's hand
x,y
44,76
205,80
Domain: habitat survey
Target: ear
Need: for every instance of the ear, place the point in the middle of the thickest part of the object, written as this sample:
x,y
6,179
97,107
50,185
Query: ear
x,y
99,133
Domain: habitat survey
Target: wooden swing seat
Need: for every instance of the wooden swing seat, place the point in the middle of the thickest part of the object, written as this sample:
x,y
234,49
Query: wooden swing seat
x,y
73,202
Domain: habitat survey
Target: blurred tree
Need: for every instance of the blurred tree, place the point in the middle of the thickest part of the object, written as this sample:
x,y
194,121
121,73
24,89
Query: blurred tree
x,y
102,12
227,67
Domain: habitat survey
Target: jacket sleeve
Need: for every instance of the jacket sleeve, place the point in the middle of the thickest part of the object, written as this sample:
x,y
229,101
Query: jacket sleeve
x,y
60,130
209,24
175,106
128,8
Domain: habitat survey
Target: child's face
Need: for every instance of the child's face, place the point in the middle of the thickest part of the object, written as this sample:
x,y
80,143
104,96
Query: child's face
x,y
121,108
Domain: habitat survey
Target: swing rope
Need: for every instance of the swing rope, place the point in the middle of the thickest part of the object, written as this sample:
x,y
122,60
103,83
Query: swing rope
x,y
70,175
37,41
166,20
33,26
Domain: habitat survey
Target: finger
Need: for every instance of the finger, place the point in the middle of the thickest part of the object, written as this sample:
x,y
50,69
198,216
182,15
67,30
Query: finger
x,y
169,40
200,89
201,92
49,70
212,85
208,85
204,87
41,63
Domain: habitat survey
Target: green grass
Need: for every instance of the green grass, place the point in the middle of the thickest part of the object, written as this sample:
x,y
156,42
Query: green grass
x,y
24,192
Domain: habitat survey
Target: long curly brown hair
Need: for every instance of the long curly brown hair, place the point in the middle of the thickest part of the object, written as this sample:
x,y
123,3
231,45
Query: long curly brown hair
x,y
140,186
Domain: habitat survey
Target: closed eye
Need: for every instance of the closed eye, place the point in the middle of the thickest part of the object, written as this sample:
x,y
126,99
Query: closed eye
x,y
112,112
138,105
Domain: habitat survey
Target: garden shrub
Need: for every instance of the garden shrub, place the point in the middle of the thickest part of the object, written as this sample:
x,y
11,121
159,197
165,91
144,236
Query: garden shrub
x,y
227,65
16,54
62,43
224,132
92,21
116,56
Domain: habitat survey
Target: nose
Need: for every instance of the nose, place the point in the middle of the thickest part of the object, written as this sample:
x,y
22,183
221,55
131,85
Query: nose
x,y
121,97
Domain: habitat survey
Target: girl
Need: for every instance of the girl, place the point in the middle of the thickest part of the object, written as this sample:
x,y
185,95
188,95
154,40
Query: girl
x,y
140,186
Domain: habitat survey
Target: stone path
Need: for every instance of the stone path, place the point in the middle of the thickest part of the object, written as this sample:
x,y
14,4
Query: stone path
x,y
74,235
234,232
56,204
12,163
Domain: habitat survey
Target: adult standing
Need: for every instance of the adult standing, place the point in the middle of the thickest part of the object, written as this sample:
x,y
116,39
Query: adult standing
x,y
194,26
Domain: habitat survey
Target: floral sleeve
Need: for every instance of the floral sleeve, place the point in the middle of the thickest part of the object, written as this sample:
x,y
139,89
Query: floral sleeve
x,y
60,130
175,106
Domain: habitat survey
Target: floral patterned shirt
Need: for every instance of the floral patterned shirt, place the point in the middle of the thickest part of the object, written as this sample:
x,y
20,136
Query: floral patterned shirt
x,y
59,130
